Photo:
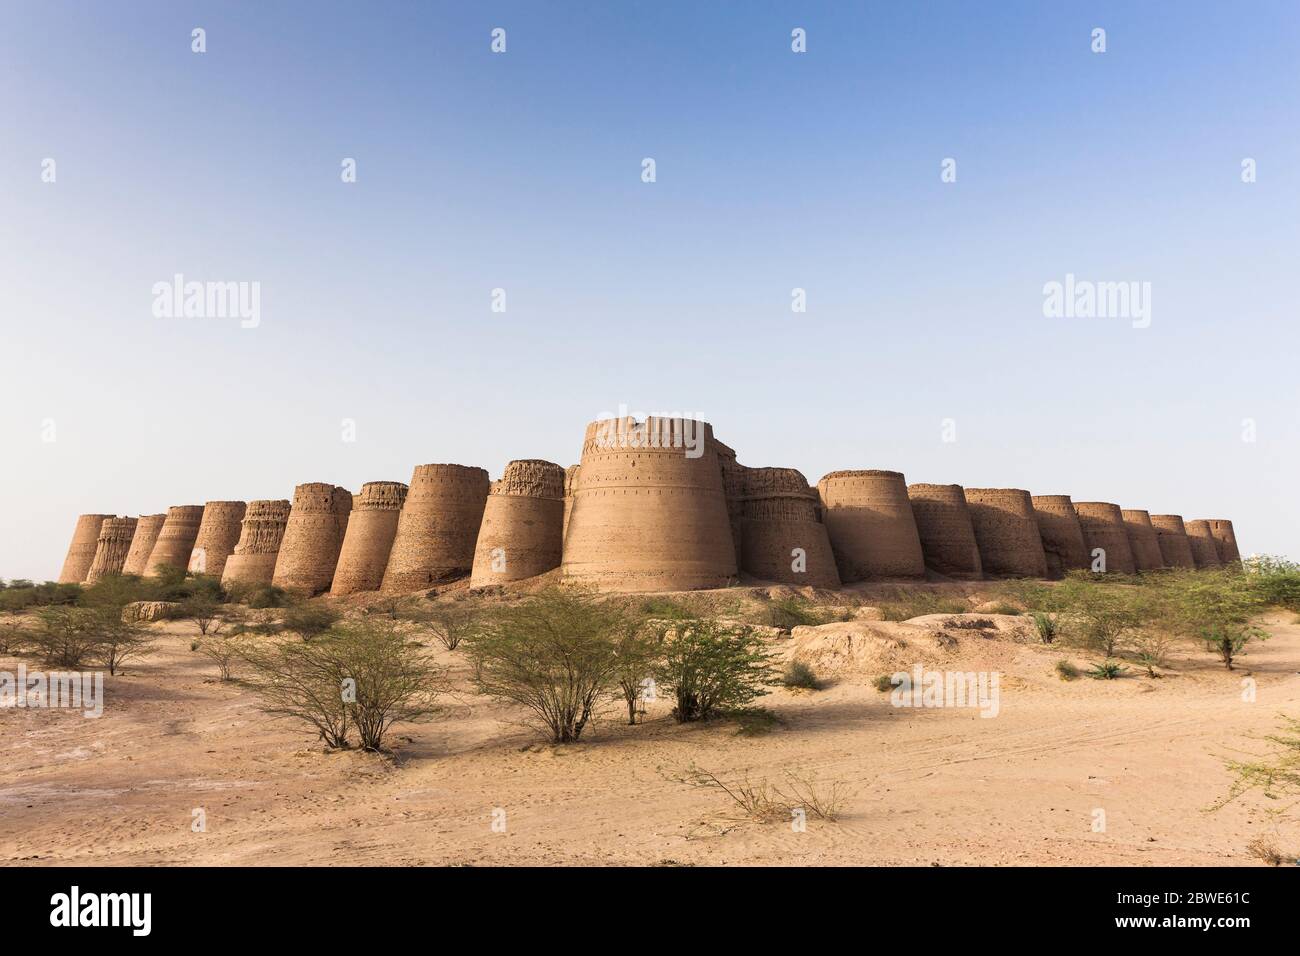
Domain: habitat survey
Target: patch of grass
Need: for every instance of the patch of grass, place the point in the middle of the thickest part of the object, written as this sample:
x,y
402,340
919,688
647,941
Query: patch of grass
x,y
1002,607
789,613
666,609
903,605
885,682
1046,626
800,674
763,802
754,721
1107,670
1066,671
1265,849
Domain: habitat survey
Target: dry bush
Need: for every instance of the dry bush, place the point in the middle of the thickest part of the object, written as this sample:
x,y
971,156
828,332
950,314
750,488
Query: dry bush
x,y
1265,848
765,803
450,623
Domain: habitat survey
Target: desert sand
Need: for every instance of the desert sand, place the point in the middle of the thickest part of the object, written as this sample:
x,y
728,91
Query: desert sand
x,y
929,786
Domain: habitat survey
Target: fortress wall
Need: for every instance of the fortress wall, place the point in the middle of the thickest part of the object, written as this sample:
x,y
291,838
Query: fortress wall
x,y
437,528
779,514
1204,551
147,528
570,485
734,476
218,534
522,534
650,513
944,526
368,541
81,552
872,530
1171,536
1225,540
1103,527
260,534
1058,526
1142,540
176,539
313,536
111,549
1006,530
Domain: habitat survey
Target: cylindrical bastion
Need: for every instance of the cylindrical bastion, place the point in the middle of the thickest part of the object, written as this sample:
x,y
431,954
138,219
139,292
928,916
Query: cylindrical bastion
x,y
944,526
1171,536
369,538
176,539
872,531
218,534
1225,540
1006,530
650,513
115,536
1204,551
1103,527
1058,526
260,534
522,534
1142,539
147,529
81,552
313,536
437,528
571,475
781,538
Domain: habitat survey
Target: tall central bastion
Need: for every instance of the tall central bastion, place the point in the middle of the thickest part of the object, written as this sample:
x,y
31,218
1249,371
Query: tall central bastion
x,y
649,513
659,504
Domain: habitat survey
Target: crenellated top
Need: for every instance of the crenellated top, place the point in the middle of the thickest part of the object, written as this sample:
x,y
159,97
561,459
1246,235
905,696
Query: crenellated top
x,y
380,496
531,478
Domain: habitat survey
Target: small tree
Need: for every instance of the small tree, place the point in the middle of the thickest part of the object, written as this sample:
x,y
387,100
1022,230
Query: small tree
x,y
207,613
308,620
1216,606
66,636
636,651
555,654
710,667
450,623
120,641
1104,617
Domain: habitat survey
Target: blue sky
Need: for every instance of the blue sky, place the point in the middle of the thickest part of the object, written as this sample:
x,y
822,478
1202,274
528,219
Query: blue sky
x,y
522,171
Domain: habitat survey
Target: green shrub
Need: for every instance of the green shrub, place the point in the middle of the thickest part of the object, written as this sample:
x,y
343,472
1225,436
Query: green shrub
x,y
905,604
710,667
1101,615
800,674
1275,581
885,682
791,612
1045,625
1065,670
1107,670
308,620
1216,606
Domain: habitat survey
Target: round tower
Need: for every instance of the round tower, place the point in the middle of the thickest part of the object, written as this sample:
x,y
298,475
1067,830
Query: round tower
x,y
522,534
147,529
217,537
1142,539
81,552
1103,527
437,527
260,534
1204,551
313,536
570,485
1058,526
650,513
111,549
1006,530
872,530
369,538
1225,540
944,526
1171,536
781,538
176,539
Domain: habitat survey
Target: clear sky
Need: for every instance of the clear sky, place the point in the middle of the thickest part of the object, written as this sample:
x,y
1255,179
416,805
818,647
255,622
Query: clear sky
x,y
523,171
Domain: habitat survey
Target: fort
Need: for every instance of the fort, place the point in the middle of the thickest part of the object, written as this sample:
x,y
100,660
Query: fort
x,y
260,534
659,504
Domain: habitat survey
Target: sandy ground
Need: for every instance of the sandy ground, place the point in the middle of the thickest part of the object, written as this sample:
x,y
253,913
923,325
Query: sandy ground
x,y
929,786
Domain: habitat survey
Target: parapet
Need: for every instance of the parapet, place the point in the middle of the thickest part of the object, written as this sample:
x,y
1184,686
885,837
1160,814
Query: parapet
x,y
218,534
81,552
437,528
944,525
369,538
313,536
176,539
522,534
872,530
114,542
260,534
1006,529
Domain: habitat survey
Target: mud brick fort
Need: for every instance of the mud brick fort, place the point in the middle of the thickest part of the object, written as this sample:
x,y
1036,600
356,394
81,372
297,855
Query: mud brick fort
x,y
653,505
